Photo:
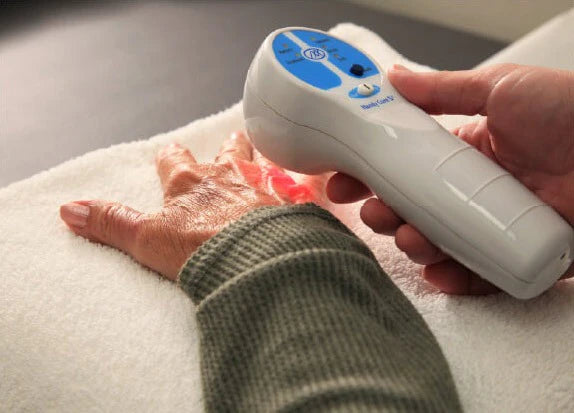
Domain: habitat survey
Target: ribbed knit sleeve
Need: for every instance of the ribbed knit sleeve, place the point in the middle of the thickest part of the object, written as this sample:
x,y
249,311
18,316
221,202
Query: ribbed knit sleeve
x,y
295,314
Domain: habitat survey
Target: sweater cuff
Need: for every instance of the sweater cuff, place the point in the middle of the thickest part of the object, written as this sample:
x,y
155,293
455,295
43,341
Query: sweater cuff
x,y
260,235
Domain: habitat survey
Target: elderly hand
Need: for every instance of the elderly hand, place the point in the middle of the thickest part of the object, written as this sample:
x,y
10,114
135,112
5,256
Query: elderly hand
x,y
528,130
199,200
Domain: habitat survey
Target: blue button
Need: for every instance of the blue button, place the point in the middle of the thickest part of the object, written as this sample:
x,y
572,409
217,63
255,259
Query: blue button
x,y
305,65
341,54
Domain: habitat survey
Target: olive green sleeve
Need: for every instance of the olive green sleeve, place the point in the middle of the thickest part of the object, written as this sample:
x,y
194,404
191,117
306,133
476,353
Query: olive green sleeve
x,y
295,314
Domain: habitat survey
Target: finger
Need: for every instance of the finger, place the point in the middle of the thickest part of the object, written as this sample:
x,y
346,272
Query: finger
x,y
276,180
108,223
342,189
236,147
281,185
316,185
477,135
569,273
288,190
461,92
453,278
417,247
175,167
464,130
380,217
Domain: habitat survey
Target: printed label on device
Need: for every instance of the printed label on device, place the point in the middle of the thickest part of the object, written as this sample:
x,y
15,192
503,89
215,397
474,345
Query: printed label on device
x,y
378,102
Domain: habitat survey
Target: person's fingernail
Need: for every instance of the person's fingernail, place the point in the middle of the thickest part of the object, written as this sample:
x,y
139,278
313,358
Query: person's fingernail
x,y
234,136
400,68
75,214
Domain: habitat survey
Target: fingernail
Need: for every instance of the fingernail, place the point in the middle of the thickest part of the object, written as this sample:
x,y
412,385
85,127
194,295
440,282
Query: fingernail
x,y
235,135
399,68
75,214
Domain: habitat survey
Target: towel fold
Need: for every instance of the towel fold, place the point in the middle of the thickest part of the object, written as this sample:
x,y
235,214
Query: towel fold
x,y
85,328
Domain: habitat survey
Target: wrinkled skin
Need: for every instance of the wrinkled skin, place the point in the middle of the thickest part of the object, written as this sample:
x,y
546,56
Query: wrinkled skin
x,y
528,129
199,201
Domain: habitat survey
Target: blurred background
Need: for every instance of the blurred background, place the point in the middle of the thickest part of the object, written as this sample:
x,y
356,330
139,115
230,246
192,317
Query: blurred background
x,y
80,75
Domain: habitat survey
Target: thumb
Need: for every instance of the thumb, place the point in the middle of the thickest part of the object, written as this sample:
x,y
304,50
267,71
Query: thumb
x,y
464,92
108,223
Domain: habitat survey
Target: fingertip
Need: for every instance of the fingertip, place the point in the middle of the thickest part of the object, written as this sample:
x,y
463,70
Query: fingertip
x,y
398,74
413,86
239,135
75,214
380,217
453,278
399,67
236,147
409,240
417,247
342,189
172,149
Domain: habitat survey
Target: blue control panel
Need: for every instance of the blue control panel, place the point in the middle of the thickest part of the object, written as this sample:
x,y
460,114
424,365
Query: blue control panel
x,y
309,70
305,58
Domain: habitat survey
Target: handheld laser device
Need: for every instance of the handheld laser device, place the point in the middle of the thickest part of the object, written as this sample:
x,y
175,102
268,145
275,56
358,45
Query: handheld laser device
x,y
315,103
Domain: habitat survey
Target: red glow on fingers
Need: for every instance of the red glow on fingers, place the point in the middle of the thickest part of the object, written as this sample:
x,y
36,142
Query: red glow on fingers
x,y
251,172
282,182
271,172
300,194
280,185
287,189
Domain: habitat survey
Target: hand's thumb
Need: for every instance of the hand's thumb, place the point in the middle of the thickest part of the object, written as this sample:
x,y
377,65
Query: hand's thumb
x,y
105,222
464,92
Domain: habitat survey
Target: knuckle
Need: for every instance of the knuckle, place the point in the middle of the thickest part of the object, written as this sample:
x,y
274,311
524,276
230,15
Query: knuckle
x,y
110,217
505,67
476,82
227,164
143,234
181,176
117,220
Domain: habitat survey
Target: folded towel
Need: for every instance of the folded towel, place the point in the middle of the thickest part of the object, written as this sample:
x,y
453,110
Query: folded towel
x,y
85,328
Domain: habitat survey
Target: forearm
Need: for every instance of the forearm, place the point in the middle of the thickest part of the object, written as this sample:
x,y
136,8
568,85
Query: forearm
x,y
295,313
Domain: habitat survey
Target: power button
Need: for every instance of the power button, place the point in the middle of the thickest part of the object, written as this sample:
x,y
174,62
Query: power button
x,y
365,89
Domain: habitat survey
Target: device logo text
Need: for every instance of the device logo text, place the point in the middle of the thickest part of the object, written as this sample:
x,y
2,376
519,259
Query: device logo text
x,y
314,53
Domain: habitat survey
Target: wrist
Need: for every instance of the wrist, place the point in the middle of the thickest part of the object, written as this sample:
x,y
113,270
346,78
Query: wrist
x,y
258,237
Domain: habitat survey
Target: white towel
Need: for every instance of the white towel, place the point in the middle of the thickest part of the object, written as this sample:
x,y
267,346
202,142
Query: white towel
x,y
85,328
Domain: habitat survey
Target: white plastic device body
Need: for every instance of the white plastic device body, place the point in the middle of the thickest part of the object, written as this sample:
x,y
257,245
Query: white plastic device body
x,y
303,110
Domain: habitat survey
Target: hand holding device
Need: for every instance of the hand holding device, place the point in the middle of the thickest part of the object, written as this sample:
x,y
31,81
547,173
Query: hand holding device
x,y
314,103
533,142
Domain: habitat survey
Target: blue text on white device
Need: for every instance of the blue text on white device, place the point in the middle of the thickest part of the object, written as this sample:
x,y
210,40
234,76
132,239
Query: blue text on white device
x,y
378,102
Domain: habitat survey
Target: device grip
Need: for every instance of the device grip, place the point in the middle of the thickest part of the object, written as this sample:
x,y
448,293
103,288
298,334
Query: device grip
x,y
467,205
